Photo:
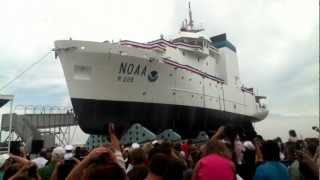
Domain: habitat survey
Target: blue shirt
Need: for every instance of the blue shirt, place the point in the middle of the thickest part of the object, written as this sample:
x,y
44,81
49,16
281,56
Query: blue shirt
x,y
271,170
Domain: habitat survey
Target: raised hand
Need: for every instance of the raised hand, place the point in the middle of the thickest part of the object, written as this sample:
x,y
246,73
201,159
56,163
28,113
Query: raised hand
x,y
111,129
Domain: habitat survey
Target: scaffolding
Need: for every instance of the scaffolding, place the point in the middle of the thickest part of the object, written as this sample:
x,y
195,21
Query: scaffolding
x,y
53,124
4,99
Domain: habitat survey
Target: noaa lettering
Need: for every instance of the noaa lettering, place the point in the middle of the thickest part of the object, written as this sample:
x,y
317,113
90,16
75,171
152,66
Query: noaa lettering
x,y
143,73
123,67
136,72
130,68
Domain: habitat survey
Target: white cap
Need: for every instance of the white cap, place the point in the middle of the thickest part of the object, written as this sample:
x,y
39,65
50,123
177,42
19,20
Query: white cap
x,y
135,145
69,148
154,142
69,152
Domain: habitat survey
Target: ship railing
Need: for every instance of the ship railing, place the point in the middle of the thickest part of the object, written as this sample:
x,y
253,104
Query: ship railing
x,y
248,90
143,45
163,42
188,45
192,69
160,42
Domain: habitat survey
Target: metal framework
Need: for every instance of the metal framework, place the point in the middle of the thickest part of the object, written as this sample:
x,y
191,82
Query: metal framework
x,y
53,124
3,100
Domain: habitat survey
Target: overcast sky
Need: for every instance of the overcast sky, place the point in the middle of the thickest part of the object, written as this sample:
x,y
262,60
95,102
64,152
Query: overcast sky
x,y
277,43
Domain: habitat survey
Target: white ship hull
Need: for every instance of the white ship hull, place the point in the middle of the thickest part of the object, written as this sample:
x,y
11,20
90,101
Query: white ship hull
x,y
110,82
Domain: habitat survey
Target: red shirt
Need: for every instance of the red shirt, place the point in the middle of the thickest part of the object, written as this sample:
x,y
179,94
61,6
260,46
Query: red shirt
x,y
186,148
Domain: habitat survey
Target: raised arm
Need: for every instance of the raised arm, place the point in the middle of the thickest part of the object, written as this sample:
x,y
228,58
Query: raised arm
x,y
19,159
218,134
114,139
77,172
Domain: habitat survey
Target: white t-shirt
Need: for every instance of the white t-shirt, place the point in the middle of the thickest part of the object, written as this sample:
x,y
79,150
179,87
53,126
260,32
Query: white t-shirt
x,y
40,162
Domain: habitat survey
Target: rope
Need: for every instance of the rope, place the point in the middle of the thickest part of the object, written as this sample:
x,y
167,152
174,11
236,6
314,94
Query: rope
x,y
24,71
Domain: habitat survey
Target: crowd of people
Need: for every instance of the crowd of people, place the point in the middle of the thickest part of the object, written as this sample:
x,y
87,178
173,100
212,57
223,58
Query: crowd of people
x,y
228,155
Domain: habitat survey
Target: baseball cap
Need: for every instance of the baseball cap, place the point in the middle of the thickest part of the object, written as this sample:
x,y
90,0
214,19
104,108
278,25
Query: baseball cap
x,y
69,152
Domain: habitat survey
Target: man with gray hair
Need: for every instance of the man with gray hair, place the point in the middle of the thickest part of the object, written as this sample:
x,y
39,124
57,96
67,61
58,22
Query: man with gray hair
x,y
56,156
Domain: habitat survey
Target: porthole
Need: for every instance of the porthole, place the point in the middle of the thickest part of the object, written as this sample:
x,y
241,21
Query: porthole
x,y
182,77
174,93
192,95
190,79
170,74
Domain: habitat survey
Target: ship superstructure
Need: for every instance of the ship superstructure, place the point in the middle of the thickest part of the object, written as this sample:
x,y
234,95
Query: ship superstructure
x,y
189,83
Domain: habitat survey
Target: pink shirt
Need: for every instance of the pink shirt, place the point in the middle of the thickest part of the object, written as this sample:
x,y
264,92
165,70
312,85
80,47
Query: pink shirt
x,y
213,167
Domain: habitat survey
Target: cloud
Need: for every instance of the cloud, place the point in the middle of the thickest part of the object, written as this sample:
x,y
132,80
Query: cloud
x,y
278,125
290,115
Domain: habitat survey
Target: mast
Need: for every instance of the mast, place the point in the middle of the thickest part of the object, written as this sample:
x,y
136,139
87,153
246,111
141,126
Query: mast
x,y
188,26
190,17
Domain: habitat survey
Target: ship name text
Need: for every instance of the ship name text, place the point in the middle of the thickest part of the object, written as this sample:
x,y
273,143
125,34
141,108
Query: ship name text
x,y
127,71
